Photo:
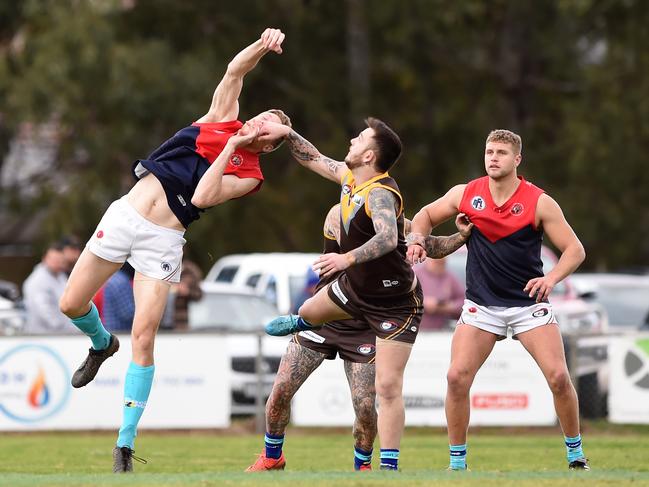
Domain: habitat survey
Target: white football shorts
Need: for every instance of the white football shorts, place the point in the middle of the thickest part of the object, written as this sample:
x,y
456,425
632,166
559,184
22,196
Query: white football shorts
x,y
497,319
123,234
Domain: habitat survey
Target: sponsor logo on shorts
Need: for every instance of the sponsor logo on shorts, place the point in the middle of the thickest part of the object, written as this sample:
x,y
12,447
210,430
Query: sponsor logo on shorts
x,y
166,266
472,310
181,199
314,337
100,234
339,294
366,349
513,400
388,325
236,159
390,283
413,328
540,312
347,189
517,209
477,203
358,199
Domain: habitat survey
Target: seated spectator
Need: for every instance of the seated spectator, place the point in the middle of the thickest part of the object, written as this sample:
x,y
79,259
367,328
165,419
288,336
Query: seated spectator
x,y
118,305
443,294
42,291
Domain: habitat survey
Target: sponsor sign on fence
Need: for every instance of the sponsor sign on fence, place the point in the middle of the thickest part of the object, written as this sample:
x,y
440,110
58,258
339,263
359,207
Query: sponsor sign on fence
x,y
628,399
191,385
509,389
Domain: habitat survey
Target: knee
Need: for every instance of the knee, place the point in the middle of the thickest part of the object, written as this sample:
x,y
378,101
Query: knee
x,y
366,414
70,308
459,380
559,381
388,388
308,312
142,341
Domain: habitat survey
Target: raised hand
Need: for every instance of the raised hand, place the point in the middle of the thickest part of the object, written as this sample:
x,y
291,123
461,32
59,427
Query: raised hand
x,y
272,39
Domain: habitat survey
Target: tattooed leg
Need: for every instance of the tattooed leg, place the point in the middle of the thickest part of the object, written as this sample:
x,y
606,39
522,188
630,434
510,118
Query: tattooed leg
x,y
296,365
361,385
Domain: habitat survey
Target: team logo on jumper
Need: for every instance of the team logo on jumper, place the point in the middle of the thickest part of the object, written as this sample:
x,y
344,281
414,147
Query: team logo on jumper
x,y
236,159
100,233
477,202
166,266
388,325
517,209
541,312
366,349
346,189
358,199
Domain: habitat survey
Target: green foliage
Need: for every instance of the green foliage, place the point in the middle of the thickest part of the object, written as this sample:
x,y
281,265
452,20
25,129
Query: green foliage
x,y
120,77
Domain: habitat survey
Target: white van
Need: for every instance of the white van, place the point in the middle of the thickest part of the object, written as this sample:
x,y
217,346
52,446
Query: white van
x,y
279,276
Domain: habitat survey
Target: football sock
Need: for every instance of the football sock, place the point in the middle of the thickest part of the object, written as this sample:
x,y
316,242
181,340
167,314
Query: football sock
x,y
573,448
303,325
361,457
458,457
137,387
389,459
91,325
274,445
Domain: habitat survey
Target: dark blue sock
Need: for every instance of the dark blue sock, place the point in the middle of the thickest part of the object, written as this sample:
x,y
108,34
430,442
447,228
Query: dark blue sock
x,y
361,457
274,445
303,325
389,459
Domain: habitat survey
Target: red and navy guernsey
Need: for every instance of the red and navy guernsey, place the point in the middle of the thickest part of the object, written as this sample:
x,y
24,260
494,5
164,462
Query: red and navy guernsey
x,y
504,250
180,162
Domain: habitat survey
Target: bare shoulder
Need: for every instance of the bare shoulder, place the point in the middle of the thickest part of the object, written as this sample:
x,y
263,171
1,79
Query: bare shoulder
x,y
454,195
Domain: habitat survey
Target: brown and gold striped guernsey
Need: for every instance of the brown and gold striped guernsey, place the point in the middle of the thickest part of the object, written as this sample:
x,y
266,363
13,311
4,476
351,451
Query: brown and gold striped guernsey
x,y
389,275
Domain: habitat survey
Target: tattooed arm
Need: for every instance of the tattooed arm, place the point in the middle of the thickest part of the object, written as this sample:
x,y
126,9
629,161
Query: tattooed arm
x,y
438,247
382,204
331,226
306,154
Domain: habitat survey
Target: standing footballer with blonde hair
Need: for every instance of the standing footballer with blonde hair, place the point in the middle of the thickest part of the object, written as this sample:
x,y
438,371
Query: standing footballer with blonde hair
x,y
506,287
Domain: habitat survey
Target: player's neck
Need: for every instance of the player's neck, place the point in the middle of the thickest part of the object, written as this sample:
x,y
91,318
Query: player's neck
x,y
503,189
363,174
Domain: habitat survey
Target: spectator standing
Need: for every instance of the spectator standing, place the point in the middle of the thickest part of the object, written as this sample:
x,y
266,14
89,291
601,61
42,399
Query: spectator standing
x,y
118,305
443,294
42,291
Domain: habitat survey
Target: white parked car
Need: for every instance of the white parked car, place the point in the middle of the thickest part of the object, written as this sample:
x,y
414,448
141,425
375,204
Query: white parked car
x,y
280,277
625,297
239,312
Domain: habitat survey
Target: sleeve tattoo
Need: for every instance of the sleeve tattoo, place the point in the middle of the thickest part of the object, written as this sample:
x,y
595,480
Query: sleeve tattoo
x,y
384,218
307,155
438,247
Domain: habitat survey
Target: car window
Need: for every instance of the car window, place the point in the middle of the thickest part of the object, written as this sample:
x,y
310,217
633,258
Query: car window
x,y
227,273
626,305
253,280
230,311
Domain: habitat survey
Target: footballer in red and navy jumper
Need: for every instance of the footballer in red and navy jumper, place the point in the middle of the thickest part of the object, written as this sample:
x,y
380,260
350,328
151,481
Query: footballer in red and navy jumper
x,y
506,287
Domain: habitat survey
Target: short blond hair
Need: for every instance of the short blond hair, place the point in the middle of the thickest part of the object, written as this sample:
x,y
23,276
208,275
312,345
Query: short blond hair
x,y
506,137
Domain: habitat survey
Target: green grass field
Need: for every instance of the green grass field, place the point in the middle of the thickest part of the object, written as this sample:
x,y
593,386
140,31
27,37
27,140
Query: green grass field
x,y
503,457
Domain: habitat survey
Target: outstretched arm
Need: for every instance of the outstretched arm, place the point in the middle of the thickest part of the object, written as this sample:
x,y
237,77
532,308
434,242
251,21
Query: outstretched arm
x,y
306,154
550,217
382,204
225,102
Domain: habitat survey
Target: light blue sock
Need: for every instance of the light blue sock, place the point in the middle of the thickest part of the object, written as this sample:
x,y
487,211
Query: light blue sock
x,y
91,325
573,448
137,387
458,457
